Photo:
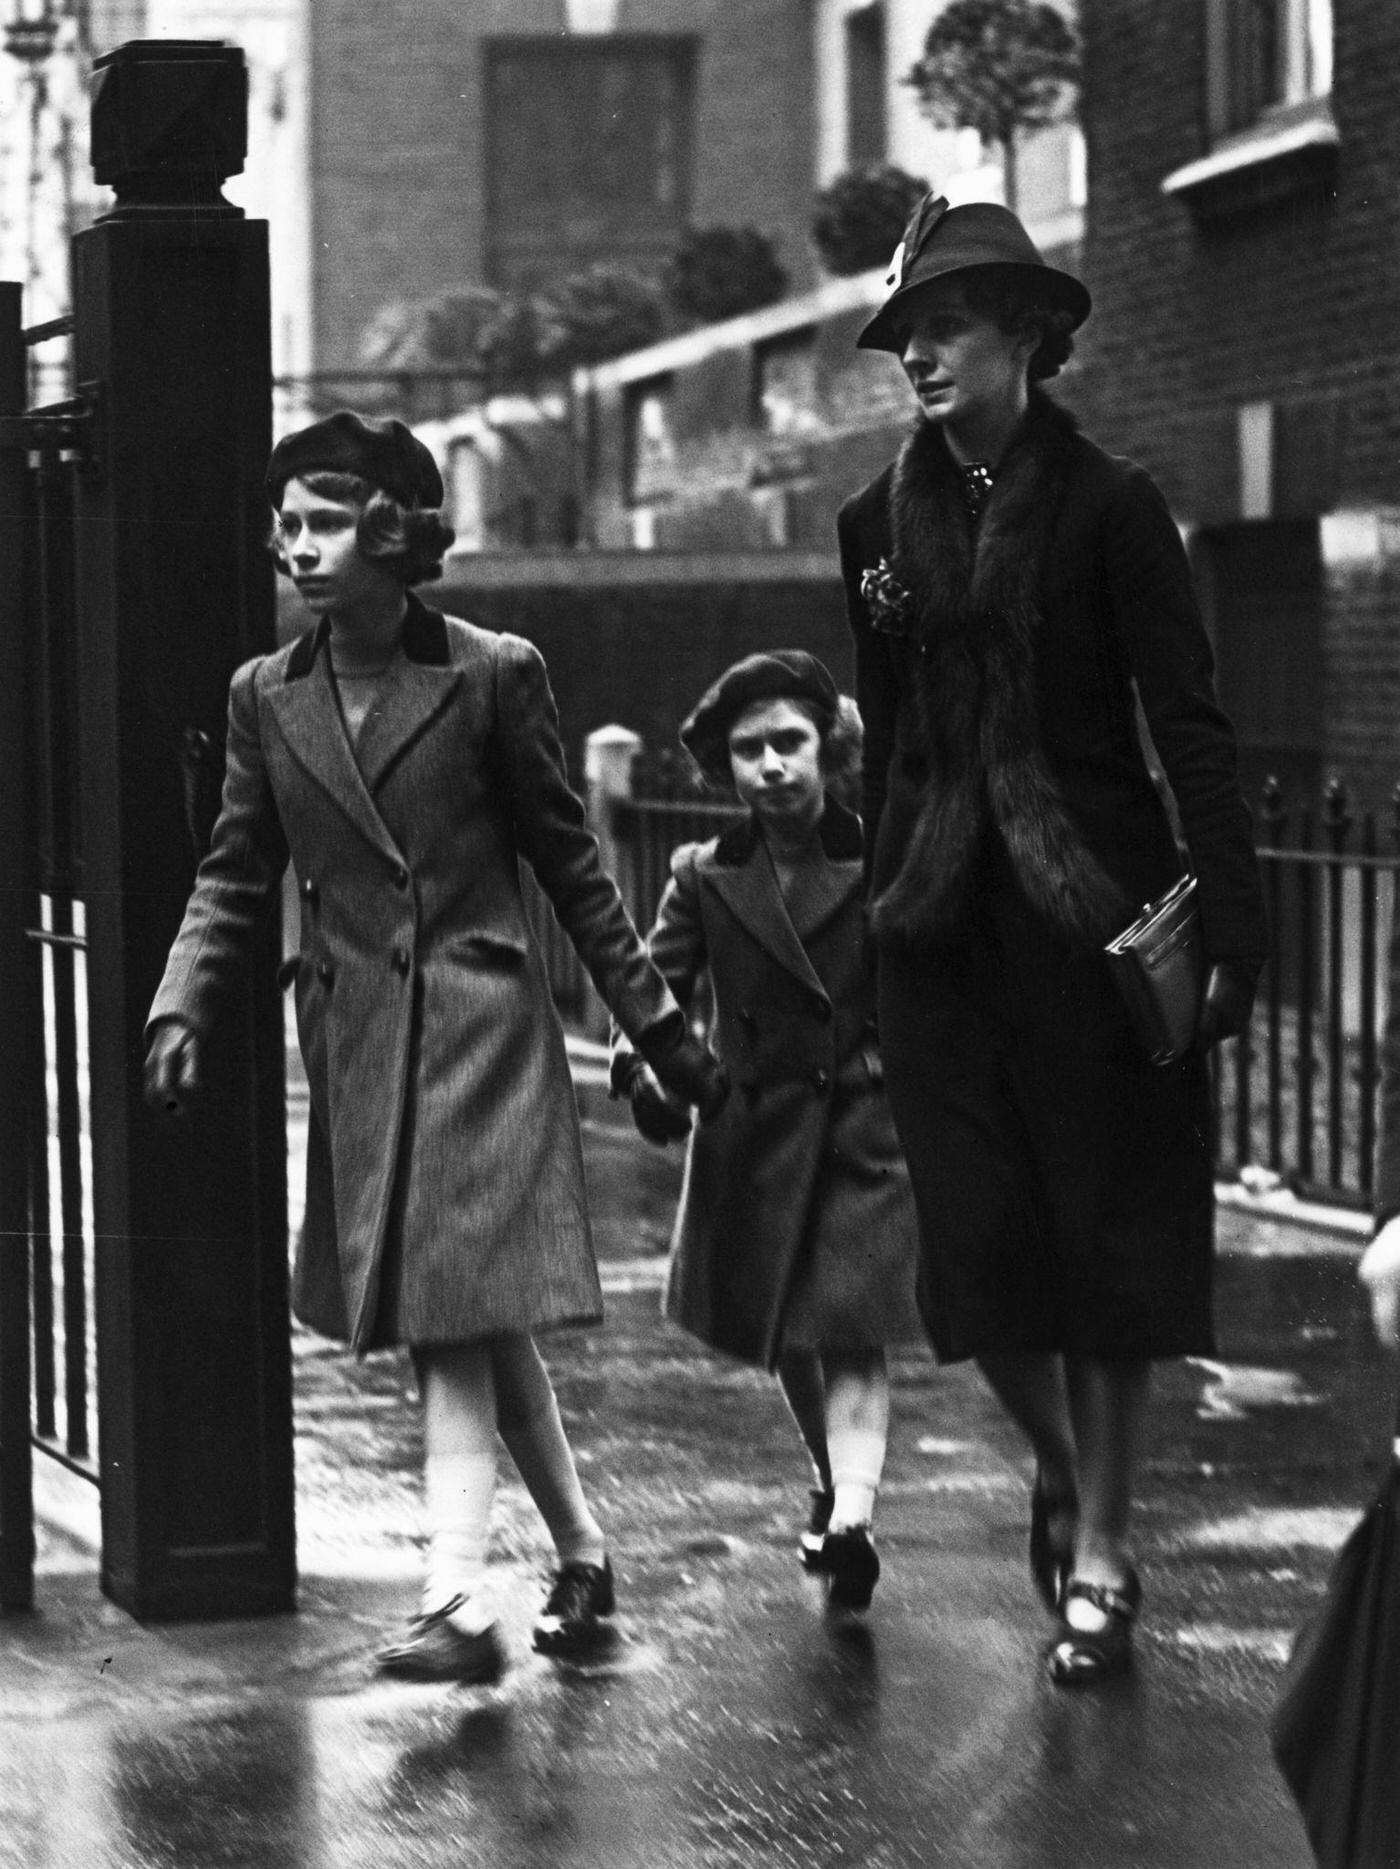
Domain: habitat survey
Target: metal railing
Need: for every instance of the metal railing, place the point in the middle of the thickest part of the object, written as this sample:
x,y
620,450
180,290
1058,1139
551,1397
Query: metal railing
x,y
1297,1097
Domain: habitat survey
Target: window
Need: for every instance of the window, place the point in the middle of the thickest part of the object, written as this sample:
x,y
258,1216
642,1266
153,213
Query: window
x,y
1263,56
651,446
867,130
786,392
588,152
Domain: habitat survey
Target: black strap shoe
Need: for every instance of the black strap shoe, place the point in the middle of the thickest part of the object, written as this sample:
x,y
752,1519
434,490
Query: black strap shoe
x,y
579,1597
434,1649
853,1565
1083,1657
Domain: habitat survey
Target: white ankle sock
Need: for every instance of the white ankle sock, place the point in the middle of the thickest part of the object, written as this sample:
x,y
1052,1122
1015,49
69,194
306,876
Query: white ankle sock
x,y
459,1489
857,1461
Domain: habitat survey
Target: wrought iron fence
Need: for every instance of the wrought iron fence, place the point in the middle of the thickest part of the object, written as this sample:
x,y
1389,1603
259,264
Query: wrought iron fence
x,y
1296,1099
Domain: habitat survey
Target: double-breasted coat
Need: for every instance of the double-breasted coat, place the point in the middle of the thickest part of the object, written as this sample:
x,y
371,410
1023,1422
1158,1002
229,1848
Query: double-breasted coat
x,y
796,1224
445,1192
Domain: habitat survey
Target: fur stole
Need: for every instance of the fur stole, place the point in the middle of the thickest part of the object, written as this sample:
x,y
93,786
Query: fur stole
x,y
973,620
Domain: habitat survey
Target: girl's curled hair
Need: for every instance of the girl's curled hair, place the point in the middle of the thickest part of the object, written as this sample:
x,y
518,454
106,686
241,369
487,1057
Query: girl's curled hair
x,y
409,540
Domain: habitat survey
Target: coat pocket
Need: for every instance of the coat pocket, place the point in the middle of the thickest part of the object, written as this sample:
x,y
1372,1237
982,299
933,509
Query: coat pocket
x,y
489,947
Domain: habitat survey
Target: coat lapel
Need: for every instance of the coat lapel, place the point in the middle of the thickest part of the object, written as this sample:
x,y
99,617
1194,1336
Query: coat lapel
x,y
411,699
308,717
819,892
750,892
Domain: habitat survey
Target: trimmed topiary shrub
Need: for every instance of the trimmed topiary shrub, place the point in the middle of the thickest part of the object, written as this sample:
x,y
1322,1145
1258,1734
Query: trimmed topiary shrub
x,y
720,272
860,217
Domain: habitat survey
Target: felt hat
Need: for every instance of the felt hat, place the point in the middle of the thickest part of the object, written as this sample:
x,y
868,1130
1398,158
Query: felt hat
x,y
940,242
386,454
780,674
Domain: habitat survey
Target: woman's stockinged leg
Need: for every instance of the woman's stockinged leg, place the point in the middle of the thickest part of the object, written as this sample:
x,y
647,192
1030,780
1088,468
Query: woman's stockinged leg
x,y
857,1427
1031,1387
800,1377
1107,1400
527,1415
459,1436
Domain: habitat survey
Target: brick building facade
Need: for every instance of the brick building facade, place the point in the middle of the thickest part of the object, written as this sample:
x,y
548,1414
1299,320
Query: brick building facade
x,y
1245,346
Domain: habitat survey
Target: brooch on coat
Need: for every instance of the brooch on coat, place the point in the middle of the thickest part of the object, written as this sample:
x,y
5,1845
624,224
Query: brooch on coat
x,y
888,604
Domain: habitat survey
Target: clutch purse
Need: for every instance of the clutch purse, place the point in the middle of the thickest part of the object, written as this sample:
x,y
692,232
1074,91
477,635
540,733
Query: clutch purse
x,y
1159,967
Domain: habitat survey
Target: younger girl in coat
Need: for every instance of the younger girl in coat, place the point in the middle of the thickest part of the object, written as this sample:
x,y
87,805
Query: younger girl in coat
x,y
405,762
795,1245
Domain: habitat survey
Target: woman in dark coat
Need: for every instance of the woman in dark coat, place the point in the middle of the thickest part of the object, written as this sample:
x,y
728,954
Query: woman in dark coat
x,y
795,1244
406,762
1012,589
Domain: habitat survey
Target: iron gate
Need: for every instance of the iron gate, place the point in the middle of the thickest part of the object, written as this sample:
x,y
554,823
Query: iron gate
x,y
143,1264
48,1367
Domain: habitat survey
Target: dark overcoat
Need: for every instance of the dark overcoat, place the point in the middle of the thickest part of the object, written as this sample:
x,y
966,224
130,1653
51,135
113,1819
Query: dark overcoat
x,y
445,1192
796,1225
1064,1184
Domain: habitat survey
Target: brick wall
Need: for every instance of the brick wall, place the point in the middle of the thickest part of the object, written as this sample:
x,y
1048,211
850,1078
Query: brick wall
x,y
396,137
1295,303
1298,301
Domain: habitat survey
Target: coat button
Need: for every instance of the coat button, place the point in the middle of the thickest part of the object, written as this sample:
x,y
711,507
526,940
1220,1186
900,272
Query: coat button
x,y
821,1011
402,959
747,1019
821,1082
310,891
325,973
400,877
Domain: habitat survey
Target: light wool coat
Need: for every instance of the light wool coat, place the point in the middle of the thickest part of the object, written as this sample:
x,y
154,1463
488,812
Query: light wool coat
x,y
445,1192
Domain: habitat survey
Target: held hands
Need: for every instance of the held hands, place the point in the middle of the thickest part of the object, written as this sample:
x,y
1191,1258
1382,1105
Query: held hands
x,y
659,1117
1227,1001
172,1075
689,1071
1379,1272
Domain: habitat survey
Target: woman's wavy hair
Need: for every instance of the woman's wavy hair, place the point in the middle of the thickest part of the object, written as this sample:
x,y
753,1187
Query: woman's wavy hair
x,y
842,736
411,541
1016,304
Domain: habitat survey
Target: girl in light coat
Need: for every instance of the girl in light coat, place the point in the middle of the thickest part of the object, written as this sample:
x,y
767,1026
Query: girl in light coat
x,y
405,762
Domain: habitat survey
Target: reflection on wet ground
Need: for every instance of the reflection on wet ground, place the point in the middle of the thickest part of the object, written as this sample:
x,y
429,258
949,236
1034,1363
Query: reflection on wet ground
x,y
732,1723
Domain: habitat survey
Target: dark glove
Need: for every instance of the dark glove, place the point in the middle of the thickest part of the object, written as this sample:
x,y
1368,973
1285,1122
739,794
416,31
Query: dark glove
x,y
172,1067
1227,1001
656,1116
688,1069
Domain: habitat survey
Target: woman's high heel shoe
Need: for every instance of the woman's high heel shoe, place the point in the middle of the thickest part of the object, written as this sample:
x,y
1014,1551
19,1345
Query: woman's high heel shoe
x,y
1082,1657
1051,1559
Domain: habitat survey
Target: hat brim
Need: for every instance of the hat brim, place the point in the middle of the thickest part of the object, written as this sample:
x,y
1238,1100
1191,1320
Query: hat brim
x,y
887,331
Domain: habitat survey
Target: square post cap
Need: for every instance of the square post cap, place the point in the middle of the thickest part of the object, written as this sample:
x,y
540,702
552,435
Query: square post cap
x,y
169,125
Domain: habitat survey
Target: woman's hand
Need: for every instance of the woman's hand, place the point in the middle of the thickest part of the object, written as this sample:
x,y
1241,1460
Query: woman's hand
x,y
1379,1272
172,1074
659,1117
1227,1001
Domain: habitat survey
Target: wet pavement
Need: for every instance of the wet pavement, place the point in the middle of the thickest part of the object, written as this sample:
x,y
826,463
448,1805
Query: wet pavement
x,y
731,1723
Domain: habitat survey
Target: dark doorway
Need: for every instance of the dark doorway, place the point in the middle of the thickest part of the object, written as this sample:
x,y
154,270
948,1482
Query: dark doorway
x,y
1262,589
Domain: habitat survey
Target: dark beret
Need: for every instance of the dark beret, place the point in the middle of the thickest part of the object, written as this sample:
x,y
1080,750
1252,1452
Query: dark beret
x,y
386,454
781,674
